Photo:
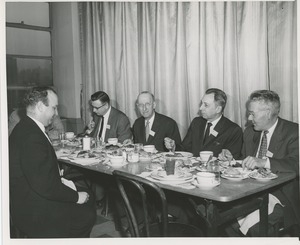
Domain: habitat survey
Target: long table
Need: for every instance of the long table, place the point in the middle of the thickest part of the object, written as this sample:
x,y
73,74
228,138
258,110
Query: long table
x,y
243,196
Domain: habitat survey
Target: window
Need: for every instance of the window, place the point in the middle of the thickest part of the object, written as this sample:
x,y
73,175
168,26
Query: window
x,y
28,49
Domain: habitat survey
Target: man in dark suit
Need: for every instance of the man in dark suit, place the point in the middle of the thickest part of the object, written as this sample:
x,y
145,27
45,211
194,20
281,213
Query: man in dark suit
x,y
272,143
220,132
151,128
42,203
108,121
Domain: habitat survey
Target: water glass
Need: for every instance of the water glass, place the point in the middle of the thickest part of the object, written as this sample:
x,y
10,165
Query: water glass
x,y
138,147
170,165
214,167
99,144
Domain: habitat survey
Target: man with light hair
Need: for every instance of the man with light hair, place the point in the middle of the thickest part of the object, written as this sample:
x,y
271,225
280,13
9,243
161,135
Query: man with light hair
x,y
271,143
152,127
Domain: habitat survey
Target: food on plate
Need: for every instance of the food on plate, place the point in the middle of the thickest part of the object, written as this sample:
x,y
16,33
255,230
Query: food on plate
x,y
175,154
112,147
128,147
85,154
263,173
232,172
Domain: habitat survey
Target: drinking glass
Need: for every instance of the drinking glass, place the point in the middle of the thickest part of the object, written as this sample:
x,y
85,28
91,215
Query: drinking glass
x,y
214,167
138,147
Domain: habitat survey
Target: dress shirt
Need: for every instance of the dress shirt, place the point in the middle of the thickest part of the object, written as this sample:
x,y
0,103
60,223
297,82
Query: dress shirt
x,y
105,118
269,136
151,120
213,124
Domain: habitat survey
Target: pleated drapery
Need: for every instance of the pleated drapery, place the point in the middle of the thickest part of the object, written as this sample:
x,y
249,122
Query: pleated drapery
x,y
177,50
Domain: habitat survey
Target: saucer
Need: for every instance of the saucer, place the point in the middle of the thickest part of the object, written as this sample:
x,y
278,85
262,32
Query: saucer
x,y
205,187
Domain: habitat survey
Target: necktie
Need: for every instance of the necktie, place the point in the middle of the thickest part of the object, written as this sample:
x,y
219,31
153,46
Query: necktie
x,y
263,146
207,132
147,129
101,127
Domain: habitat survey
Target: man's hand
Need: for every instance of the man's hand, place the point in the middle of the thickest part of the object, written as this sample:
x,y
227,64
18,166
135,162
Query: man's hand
x,y
225,155
253,162
83,197
127,142
169,144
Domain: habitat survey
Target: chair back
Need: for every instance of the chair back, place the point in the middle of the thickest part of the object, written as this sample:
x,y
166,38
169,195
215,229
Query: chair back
x,y
134,188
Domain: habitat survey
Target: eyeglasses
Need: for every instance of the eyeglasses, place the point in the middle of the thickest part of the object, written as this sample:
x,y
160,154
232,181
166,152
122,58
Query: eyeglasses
x,y
253,113
141,106
97,108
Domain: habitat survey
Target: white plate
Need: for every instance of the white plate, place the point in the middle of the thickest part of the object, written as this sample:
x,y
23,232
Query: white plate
x,y
234,178
195,183
160,175
257,176
117,165
183,153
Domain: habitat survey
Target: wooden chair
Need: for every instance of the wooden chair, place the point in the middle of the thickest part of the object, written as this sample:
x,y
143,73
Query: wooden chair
x,y
134,188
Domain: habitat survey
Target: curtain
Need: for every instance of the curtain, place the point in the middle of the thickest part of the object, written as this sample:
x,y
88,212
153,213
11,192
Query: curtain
x,y
177,50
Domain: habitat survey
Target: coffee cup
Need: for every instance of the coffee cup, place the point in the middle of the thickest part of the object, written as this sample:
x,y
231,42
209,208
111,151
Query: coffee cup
x,y
112,141
205,178
205,155
69,135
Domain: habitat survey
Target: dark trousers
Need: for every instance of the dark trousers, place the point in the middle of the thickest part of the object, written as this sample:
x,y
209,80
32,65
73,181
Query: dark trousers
x,y
233,229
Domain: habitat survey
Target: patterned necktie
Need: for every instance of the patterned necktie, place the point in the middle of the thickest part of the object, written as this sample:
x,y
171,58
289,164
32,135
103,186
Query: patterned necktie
x,y
263,146
101,127
207,132
147,129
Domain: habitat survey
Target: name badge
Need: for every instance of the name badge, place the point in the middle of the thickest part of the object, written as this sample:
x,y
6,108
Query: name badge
x,y
108,126
214,133
152,133
269,154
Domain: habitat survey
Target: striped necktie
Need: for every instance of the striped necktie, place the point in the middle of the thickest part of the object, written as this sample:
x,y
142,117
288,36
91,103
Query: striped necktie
x,y
263,146
147,129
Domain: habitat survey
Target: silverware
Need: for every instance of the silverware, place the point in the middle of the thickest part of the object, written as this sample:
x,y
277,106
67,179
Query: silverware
x,y
210,157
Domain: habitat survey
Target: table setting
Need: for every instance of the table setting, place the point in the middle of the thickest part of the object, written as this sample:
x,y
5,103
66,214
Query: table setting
x,y
175,168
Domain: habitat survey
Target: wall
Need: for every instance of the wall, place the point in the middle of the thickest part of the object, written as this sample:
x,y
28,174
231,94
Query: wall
x,y
66,62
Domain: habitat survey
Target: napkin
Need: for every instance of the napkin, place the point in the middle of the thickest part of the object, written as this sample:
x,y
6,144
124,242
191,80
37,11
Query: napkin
x,y
69,183
251,219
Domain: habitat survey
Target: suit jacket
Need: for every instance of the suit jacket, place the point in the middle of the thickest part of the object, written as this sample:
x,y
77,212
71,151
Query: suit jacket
x,y
39,202
162,127
229,136
118,126
284,148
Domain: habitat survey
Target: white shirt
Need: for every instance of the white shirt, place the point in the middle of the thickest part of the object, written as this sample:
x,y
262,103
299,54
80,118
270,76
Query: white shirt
x,y
213,124
269,136
105,118
151,120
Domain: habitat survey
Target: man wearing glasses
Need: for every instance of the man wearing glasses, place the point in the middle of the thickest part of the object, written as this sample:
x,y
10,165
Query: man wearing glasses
x,y
152,127
272,143
108,122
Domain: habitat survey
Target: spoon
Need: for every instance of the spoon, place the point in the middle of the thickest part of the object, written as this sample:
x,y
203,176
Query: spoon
x,y
210,157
